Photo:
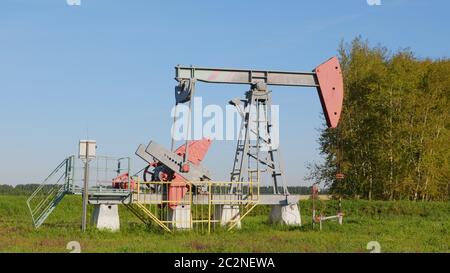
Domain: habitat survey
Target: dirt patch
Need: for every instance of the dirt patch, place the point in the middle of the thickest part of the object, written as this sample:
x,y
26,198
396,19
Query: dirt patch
x,y
259,250
6,230
276,238
51,244
198,245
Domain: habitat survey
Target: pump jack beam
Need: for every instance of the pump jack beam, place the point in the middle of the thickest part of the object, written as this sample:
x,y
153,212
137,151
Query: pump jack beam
x,y
327,78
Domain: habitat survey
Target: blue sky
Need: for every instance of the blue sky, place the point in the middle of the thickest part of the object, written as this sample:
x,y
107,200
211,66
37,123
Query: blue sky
x,y
107,65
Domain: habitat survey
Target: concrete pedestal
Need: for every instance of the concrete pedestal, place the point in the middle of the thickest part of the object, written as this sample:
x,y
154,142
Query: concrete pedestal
x,y
227,214
286,214
181,217
106,217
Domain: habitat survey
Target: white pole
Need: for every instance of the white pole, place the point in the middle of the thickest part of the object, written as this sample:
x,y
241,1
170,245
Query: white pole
x,y
85,190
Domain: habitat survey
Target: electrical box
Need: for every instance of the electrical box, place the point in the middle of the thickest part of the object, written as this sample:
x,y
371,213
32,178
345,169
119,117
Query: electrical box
x,y
87,149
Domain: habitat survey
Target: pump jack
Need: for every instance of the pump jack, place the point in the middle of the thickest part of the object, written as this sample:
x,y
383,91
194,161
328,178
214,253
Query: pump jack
x,y
255,151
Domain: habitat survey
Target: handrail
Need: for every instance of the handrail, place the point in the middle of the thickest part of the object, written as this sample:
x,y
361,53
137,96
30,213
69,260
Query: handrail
x,y
63,163
43,207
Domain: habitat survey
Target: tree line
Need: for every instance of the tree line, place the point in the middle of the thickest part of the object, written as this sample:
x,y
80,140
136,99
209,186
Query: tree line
x,y
22,189
393,141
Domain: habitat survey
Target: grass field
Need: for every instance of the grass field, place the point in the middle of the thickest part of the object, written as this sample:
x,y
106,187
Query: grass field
x,y
397,226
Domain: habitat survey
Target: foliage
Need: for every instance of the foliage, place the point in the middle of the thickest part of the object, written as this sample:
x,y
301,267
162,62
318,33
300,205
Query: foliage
x,y
393,139
22,189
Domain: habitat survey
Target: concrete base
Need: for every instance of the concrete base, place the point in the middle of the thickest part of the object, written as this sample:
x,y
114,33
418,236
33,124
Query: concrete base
x,y
288,215
106,217
227,214
181,217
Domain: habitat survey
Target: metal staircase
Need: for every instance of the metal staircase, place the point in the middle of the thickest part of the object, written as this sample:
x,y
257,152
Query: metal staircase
x,y
49,194
145,215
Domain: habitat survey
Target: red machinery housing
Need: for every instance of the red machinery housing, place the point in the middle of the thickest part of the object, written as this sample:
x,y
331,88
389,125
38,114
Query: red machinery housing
x,y
122,182
178,186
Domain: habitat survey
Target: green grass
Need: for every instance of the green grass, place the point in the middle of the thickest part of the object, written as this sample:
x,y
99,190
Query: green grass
x,y
397,226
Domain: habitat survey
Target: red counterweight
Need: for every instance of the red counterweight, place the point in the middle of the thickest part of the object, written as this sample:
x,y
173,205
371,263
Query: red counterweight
x,y
331,90
197,150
